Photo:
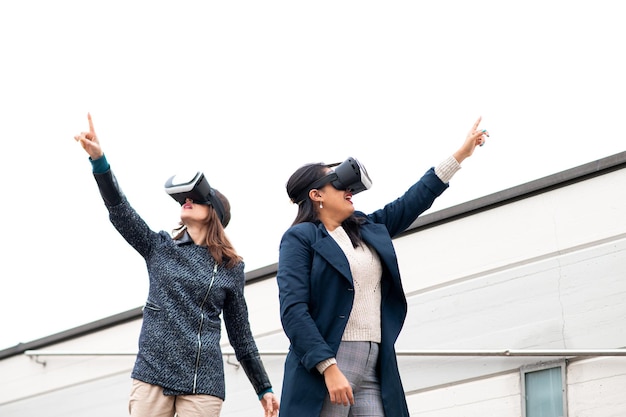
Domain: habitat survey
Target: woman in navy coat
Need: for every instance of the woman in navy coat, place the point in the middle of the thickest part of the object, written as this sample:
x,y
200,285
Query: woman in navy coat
x,y
342,304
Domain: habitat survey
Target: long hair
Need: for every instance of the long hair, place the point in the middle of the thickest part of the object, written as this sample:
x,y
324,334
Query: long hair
x,y
298,187
217,242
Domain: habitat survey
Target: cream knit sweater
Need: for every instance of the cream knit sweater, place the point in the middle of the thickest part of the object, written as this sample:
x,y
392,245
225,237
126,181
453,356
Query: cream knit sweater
x,y
364,321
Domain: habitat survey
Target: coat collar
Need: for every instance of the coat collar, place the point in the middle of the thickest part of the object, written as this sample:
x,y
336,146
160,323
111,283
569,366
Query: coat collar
x,y
185,239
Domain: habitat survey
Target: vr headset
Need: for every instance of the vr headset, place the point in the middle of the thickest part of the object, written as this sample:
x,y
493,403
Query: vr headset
x,y
348,175
195,187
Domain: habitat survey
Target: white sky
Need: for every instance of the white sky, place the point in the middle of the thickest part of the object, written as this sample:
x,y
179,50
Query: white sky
x,y
248,91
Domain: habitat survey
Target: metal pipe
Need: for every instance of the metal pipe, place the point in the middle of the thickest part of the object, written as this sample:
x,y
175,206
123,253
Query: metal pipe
x,y
460,352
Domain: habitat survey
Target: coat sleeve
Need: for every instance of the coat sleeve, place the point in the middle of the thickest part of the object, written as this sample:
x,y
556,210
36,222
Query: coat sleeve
x,y
241,339
294,273
398,215
122,215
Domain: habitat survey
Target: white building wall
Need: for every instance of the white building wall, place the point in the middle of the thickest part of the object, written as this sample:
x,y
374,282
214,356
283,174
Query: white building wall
x,y
542,272
596,388
497,396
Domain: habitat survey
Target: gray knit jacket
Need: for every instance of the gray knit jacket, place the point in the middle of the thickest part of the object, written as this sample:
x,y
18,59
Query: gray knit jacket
x,y
179,343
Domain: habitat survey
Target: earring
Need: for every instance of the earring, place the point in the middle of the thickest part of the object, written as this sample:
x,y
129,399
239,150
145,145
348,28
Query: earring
x,y
321,205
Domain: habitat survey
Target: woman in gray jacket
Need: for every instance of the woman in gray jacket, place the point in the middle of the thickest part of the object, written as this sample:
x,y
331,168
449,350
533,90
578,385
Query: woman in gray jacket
x,y
194,277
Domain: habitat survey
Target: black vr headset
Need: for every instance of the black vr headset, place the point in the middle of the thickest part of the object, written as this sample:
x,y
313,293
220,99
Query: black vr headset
x,y
348,175
197,188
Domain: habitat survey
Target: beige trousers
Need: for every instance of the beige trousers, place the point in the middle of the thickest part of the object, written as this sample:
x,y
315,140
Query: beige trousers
x,y
147,400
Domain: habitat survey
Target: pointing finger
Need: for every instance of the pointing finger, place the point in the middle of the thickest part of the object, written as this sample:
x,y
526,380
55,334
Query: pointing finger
x,y
91,128
477,123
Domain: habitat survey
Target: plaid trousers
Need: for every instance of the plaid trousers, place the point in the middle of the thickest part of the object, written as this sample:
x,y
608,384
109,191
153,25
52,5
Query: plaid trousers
x,y
357,361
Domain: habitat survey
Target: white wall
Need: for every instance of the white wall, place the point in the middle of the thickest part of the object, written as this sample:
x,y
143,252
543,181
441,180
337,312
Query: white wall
x,y
596,388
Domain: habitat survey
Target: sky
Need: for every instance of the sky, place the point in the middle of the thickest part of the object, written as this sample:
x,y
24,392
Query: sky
x,y
247,92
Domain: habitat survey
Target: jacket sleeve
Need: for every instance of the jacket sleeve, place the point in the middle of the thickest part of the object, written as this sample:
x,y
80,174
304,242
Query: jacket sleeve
x,y
241,339
293,277
123,217
108,187
398,215
107,184
255,371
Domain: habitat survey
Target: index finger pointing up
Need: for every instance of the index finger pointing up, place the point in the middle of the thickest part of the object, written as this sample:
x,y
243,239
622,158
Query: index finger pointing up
x,y
475,124
91,129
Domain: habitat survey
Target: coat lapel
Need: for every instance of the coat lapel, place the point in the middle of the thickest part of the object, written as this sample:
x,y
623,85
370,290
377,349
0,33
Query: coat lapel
x,y
377,236
332,253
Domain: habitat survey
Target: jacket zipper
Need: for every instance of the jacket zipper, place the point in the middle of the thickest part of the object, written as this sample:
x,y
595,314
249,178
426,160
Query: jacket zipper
x,y
199,335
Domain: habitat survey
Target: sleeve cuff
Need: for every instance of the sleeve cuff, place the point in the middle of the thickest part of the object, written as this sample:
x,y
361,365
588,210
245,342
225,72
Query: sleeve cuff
x,y
446,169
265,391
321,367
100,165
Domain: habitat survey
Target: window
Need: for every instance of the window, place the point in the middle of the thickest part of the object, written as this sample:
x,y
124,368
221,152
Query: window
x,y
543,390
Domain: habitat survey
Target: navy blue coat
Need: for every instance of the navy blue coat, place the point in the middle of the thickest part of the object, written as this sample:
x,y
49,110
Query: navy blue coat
x,y
316,295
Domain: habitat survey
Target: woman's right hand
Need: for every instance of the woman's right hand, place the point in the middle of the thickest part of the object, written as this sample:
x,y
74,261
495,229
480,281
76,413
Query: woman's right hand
x,y
338,386
89,141
475,137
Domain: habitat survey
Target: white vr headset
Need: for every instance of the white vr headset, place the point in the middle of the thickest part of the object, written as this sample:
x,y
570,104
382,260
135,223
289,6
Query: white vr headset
x,y
195,187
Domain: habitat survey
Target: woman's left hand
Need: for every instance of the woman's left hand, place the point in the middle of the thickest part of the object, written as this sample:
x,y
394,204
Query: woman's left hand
x,y
270,404
475,137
